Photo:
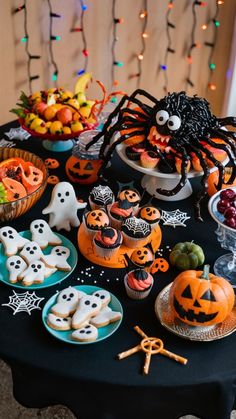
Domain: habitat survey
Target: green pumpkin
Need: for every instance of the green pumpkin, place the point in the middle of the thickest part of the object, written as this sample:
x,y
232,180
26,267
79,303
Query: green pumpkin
x,y
186,255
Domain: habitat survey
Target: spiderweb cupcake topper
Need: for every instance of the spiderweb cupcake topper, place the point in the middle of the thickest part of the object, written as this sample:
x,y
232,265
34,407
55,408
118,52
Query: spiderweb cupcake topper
x,y
23,302
174,218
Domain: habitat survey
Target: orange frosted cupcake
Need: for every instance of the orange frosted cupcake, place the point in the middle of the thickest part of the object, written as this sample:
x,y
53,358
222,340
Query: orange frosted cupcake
x,y
132,195
107,242
95,220
138,284
119,211
150,214
149,159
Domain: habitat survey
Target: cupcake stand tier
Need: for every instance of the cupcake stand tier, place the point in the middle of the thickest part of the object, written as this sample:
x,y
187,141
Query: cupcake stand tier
x,y
86,247
154,179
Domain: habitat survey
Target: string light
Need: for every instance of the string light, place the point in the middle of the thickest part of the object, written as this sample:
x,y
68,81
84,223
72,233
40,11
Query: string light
x,y
143,15
212,66
25,41
52,38
80,29
169,25
115,63
193,44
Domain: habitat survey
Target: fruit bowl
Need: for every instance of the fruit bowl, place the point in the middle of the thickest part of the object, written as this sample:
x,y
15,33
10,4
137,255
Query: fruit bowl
x,y
55,142
13,209
225,265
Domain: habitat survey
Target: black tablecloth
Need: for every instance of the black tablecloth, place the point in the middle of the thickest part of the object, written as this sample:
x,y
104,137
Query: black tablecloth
x,y
89,379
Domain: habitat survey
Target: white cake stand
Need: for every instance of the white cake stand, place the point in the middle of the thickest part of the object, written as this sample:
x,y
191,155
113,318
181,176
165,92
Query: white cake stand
x,y
154,179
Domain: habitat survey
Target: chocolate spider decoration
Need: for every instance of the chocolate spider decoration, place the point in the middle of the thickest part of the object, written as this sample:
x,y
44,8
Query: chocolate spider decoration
x,y
176,125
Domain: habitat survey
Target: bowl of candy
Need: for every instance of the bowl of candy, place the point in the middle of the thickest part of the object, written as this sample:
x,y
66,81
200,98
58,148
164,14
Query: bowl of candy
x,y
23,179
222,207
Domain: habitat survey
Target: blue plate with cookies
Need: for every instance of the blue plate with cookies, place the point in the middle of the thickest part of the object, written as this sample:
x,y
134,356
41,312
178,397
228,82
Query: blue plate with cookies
x,y
82,314
19,271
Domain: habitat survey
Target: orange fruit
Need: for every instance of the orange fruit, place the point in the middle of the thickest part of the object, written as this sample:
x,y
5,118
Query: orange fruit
x,y
64,115
56,127
50,113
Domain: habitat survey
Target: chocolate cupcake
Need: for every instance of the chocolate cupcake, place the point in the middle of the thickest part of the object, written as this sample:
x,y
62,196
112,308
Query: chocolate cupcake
x,y
136,232
133,152
100,196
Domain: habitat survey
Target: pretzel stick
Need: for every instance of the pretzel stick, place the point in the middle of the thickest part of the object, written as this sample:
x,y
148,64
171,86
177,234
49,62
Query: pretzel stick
x,y
163,351
130,351
147,360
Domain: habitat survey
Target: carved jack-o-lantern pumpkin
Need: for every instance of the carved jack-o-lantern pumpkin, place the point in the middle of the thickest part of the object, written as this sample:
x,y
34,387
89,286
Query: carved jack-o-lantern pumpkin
x,y
82,171
97,219
142,257
150,214
132,195
201,298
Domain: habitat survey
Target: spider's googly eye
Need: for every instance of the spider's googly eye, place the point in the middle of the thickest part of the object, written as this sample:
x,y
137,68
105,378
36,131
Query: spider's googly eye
x,y
174,123
162,117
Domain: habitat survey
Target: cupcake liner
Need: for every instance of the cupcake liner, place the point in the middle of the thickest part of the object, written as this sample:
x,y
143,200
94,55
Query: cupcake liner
x,y
95,206
133,242
105,253
136,295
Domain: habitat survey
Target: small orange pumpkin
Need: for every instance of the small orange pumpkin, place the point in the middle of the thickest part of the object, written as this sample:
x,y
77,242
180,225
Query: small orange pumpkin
x,y
213,180
82,171
200,298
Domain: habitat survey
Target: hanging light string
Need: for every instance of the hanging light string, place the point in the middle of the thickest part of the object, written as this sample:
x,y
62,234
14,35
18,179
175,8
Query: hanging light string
x,y
25,40
212,44
169,48
115,63
144,17
80,29
193,44
51,39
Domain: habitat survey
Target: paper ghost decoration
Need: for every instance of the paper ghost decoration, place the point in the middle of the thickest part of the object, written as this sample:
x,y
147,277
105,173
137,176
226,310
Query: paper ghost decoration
x,y
62,208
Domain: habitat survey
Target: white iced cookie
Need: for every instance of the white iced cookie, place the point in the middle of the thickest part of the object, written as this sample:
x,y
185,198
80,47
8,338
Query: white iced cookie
x,y
63,207
34,274
105,317
88,306
67,302
58,323
57,258
15,265
49,271
31,251
104,296
11,240
87,333
42,234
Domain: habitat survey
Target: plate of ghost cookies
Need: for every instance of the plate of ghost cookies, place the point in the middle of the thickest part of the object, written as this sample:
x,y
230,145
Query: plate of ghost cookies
x,y
35,258
82,314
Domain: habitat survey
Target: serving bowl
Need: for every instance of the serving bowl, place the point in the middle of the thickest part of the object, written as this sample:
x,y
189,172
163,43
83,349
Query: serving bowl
x,y
13,209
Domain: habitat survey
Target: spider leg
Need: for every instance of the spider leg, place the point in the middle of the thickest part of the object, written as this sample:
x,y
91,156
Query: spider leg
x,y
203,192
230,149
230,120
113,146
132,99
183,178
216,162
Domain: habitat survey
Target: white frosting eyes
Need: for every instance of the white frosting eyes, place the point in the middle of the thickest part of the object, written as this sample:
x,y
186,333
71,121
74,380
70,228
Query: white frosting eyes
x,y
174,123
162,117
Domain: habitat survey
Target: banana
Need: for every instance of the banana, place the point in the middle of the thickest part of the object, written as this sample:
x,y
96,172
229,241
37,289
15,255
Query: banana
x,y
82,82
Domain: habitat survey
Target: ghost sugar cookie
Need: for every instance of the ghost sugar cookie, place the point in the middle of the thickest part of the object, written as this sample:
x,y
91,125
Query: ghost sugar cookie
x,y
58,323
67,302
87,333
43,235
89,306
105,317
31,251
104,296
58,258
11,240
33,274
63,207
15,265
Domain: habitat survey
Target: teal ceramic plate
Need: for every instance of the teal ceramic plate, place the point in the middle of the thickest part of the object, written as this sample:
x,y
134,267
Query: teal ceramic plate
x,y
55,278
103,332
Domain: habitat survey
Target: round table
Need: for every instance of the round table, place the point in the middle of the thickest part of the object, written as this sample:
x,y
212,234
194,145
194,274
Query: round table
x,y
89,379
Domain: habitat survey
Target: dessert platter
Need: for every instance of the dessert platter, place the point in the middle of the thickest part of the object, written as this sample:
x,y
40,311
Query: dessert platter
x,y
154,178
96,329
